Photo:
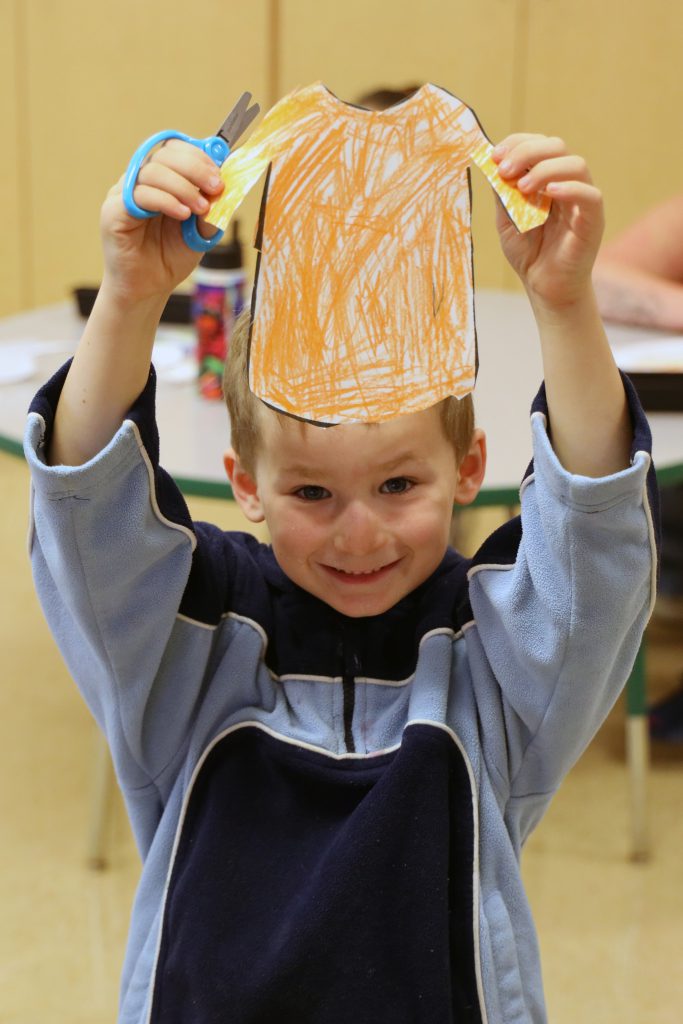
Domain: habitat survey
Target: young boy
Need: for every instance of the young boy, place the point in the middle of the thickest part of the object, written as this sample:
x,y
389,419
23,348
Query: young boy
x,y
333,749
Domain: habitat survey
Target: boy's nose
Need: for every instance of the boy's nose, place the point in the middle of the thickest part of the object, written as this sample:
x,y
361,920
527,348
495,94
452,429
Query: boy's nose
x,y
358,530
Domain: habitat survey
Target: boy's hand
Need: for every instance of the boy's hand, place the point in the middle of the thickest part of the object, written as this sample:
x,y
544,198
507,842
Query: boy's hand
x,y
147,259
554,261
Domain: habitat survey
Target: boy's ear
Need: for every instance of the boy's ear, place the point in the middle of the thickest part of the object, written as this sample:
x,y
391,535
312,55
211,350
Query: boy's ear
x,y
471,470
244,487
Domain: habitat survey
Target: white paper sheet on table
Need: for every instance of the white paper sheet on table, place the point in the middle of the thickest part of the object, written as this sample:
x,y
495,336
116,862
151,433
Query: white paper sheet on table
x,y
173,356
18,360
660,355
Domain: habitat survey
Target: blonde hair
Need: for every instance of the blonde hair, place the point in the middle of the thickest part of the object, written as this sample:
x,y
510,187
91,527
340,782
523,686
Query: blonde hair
x,y
457,414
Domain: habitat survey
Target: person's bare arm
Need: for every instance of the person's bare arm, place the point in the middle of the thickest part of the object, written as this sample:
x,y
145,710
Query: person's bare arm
x,y
629,295
652,243
638,274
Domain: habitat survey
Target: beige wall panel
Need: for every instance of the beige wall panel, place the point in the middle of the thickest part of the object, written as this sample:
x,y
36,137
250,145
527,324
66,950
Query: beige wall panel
x,y
607,76
13,235
103,77
467,48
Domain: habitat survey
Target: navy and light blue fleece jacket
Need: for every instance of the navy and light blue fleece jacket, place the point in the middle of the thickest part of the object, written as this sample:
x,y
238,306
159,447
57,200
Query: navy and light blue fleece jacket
x,y
330,811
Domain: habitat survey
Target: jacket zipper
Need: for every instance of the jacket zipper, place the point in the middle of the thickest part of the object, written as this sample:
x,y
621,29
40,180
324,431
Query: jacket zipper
x,y
349,693
350,667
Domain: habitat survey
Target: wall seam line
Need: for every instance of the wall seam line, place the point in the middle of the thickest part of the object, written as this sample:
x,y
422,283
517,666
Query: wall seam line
x,y
24,154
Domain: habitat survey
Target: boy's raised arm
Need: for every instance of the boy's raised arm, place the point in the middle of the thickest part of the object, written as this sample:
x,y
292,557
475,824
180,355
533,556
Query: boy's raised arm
x,y
144,261
589,420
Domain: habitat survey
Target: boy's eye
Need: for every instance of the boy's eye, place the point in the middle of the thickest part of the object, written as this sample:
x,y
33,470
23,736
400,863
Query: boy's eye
x,y
396,485
311,492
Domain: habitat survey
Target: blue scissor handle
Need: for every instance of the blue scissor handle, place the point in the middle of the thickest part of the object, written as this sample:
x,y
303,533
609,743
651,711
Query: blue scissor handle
x,y
214,146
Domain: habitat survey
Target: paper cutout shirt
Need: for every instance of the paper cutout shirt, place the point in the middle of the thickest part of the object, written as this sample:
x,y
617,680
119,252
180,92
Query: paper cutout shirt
x,y
363,301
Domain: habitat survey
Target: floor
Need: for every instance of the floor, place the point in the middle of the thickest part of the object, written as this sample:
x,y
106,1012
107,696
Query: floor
x,y
611,931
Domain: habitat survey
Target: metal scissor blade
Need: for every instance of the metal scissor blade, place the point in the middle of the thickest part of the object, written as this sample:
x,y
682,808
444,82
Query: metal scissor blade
x,y
238,120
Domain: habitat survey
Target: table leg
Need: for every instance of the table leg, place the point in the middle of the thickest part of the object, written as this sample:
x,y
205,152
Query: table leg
x,y
638,756
102,789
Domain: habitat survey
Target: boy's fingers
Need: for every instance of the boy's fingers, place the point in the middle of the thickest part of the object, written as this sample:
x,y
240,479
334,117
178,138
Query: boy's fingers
x,y
155,200
516,158
158,176
564,168
510,141
582,205
582,193
190,163
117,188
206,230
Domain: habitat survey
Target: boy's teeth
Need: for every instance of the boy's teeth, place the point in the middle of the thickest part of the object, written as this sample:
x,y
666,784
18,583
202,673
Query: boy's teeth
x,y
368,573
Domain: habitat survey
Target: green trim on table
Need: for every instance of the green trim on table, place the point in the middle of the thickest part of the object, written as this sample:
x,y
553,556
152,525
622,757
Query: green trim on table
x,y
11,447
669,475
204,488
510,495
497,496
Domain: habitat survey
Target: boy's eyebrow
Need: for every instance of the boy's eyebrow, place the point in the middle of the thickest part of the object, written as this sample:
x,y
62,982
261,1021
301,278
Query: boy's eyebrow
x,y
303,470
299,469
399,460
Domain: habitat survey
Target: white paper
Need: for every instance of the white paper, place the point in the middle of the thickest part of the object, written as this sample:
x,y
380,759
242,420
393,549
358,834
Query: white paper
x,y
660,355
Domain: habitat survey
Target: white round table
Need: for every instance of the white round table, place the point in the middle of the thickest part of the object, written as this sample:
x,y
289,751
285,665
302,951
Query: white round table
x,y
195,432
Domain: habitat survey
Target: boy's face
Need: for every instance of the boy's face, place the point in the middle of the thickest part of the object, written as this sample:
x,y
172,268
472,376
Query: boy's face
x,y
358,515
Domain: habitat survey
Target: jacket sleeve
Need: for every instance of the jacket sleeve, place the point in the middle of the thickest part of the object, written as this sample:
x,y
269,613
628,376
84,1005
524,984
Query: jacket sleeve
x,y
112,548
560,624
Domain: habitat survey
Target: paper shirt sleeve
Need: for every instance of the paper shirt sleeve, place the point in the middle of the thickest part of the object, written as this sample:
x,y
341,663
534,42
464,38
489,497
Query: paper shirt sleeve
x,y
245,165
525,211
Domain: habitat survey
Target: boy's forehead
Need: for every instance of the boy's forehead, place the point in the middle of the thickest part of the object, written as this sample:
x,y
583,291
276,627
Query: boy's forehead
x,y
284,437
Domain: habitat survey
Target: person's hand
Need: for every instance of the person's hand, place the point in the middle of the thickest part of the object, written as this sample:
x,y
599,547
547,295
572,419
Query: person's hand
x,y
147,259
554,261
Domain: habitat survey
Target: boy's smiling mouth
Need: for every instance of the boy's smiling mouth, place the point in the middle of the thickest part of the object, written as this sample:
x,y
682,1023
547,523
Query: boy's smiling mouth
x,y
360,576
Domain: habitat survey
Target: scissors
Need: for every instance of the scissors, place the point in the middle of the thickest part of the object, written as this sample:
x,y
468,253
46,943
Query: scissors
x,y
216,146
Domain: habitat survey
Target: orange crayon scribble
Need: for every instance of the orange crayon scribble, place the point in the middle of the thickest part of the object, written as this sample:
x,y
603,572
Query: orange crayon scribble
x,y
245,165
363,304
